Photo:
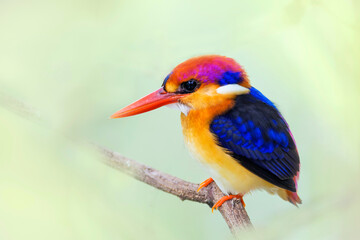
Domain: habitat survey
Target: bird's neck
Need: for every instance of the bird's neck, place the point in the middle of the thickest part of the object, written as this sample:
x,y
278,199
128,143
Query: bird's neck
x,y
201,118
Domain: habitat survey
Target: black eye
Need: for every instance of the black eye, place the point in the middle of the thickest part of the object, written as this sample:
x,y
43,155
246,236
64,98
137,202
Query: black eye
x,y
189,86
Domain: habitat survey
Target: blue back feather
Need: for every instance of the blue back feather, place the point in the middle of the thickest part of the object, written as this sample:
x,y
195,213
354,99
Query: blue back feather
x,y
256,135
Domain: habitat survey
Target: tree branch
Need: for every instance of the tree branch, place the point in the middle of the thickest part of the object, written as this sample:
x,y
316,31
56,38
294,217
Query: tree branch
x,y
232,211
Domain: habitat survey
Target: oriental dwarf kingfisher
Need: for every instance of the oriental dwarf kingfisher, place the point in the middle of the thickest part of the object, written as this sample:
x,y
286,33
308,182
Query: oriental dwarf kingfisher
x,y
237,133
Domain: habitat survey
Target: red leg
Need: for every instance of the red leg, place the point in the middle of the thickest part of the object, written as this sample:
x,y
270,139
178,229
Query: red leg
x,y
226,198
205,183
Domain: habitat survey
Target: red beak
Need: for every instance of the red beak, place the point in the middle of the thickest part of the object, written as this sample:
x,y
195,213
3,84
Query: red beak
x,y
150,102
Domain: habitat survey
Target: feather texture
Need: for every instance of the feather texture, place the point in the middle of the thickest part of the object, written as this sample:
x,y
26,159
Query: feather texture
x,y
257,136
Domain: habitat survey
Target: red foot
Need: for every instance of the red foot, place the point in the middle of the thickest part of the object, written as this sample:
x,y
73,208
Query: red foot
x,y
205,183
225,198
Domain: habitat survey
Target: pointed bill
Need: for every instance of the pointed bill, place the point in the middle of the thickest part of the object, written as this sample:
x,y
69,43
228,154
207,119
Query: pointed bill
x,y
150,102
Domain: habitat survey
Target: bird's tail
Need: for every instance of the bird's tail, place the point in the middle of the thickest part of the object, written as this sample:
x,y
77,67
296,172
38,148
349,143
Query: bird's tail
x,y
293,197
290,196
287,195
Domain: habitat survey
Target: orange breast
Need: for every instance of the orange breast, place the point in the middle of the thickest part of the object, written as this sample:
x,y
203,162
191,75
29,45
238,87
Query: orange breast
x,y
230,175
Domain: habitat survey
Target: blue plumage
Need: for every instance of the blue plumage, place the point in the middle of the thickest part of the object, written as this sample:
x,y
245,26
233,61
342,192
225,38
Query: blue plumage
x,y
258,95
230,78
255,133
166,79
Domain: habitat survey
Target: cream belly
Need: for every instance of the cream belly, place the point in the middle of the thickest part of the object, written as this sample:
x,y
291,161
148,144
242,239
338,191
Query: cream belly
x,y
229,175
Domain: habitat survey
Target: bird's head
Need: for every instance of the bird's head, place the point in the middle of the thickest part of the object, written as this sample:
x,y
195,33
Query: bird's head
x,y
198,83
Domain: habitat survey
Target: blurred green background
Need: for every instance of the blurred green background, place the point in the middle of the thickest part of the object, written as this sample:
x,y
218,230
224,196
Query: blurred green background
x,y
66,66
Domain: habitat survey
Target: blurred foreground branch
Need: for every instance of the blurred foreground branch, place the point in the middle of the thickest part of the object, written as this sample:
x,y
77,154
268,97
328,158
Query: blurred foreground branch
x,y
232,211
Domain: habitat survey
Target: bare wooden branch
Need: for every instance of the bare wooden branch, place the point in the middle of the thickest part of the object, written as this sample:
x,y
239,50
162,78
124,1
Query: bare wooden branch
x,y
232,211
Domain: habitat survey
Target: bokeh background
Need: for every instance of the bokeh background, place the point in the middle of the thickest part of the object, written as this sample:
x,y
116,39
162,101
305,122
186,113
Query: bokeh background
x,y
66,66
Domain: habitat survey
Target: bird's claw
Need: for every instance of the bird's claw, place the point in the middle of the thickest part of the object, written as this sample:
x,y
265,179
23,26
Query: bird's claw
x,y
205,183
226,198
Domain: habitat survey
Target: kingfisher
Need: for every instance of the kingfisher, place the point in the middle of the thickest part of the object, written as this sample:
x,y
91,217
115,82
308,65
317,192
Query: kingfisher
x,y
236,132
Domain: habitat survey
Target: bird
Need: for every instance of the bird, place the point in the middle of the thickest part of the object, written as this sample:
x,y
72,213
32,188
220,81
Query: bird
x,y
237,133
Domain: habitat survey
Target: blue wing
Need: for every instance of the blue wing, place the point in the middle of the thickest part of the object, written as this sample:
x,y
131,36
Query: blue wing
x,y
257,136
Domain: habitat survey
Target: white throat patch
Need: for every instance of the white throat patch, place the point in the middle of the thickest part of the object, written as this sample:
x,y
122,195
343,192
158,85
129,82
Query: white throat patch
x,y
232,89
179,106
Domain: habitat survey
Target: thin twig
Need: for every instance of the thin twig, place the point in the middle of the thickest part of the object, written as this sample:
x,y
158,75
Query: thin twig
x,y
232,211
